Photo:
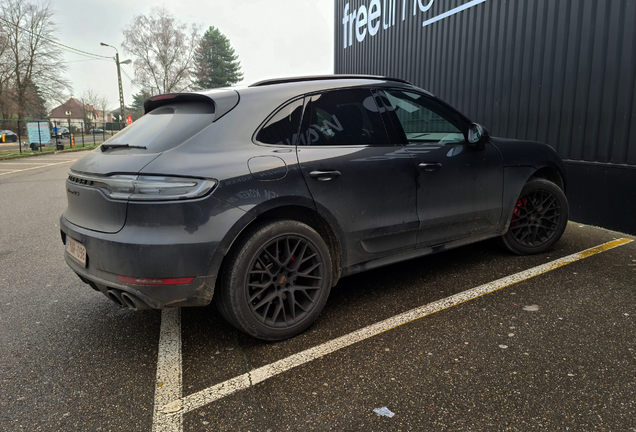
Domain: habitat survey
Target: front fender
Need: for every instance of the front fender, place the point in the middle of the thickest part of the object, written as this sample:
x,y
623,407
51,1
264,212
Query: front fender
x,y
521,160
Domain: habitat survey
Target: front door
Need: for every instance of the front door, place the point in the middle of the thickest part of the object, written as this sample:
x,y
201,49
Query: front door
x,y
459,188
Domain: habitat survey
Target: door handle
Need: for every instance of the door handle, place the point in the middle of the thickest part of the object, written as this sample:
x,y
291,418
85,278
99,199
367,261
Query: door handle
x,y
430,166
324,175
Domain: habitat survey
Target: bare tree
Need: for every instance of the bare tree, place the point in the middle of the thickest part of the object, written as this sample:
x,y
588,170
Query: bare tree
x,y
6,70
89,100
35,59
164,51
102,104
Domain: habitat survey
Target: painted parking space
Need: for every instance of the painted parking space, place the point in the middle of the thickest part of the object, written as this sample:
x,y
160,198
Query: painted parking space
x,y
168,417
543,354
21,165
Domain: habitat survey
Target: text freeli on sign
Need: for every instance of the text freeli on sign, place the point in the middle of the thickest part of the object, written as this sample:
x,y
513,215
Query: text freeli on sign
x,y
368,19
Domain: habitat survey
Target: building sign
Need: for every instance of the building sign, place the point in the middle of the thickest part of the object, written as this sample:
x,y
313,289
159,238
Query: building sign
x,y
375,15
39,135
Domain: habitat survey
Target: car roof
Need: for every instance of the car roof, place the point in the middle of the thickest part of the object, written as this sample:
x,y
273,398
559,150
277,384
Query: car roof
x,y
281,89
325,78
309,84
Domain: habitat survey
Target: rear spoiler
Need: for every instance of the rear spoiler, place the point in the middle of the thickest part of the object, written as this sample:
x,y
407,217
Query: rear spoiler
x,y
223,100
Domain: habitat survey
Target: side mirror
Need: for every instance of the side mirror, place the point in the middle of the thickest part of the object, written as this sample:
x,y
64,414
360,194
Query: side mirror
x,y
477,134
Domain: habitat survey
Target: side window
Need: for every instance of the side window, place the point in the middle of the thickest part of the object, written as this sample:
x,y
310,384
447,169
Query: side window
x,y
343,117
420,120
282,129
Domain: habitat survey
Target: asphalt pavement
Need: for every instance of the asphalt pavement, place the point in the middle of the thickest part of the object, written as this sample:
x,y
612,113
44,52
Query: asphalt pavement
x,y
552,352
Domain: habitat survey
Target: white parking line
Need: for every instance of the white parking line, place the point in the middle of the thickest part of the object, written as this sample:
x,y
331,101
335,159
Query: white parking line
x,y
168,384
37,167
22,163
182,405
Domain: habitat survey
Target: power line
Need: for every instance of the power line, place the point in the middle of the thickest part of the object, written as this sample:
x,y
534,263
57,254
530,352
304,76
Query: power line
x,y
87,60
132,81
91,56
59,44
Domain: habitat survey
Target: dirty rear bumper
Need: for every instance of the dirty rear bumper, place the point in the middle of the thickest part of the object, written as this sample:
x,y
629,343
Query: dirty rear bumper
x,y
158,241
197,293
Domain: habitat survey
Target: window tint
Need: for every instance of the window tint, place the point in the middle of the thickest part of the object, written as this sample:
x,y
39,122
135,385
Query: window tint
x,y
166,127
283,128
344,117
420,119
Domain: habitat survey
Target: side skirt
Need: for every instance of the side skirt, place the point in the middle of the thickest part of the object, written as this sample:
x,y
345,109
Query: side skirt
x,y
411,254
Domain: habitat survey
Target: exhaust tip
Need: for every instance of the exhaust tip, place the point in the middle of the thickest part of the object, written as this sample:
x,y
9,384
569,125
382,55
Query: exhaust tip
x,y
116,297
133,302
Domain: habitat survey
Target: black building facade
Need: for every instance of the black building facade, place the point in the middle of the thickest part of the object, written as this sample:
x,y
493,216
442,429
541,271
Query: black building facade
x,y
557,71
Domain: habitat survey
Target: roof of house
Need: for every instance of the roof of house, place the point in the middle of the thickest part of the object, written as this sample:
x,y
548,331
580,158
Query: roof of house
x,y
75,107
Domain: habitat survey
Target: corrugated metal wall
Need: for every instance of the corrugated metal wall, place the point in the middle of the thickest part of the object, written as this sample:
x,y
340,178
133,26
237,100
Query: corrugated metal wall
x,y
557,71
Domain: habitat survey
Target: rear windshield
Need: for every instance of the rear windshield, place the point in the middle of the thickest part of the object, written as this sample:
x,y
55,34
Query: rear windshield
x,y
166,127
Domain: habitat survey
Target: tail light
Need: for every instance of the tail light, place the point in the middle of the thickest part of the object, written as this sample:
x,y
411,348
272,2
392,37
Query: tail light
x,y
146,188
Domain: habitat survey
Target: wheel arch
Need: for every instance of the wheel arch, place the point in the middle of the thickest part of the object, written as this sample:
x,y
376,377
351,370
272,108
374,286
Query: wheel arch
x,y
297,212
552,174
515,178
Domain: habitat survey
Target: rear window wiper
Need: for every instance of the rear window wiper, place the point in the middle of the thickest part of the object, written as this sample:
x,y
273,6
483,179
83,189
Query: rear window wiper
x,y
109,146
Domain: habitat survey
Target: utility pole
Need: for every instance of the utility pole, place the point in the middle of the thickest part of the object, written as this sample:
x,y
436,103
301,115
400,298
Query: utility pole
x,y
122,107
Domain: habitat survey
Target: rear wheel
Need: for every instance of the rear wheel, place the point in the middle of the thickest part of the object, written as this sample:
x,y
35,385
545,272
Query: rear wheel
x,y
276,281
538,219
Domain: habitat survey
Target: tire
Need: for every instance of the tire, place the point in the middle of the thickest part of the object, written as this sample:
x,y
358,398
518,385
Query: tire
x,y
538,219
276,280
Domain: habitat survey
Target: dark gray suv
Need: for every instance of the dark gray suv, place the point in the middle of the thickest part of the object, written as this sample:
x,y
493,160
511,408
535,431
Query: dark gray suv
x,y
262,197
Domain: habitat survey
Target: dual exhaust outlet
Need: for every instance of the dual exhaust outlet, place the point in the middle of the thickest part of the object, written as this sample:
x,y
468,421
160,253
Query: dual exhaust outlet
x,y
127,300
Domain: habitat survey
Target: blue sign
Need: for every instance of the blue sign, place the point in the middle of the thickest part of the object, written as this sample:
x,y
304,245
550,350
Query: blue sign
x,y
39,135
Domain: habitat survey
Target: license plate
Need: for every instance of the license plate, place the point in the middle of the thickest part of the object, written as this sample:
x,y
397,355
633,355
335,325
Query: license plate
x,y
76,250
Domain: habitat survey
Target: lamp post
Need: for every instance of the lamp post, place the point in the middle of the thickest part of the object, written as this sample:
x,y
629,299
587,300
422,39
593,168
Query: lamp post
x,y
122,107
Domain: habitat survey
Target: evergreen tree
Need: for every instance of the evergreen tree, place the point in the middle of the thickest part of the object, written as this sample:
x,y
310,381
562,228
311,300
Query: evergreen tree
x,y
136,109
215,63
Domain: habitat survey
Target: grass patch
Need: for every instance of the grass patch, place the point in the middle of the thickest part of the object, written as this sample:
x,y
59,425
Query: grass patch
x,y
15,154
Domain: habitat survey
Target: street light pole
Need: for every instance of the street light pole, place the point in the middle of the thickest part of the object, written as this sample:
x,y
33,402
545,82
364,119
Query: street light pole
x,y
122,107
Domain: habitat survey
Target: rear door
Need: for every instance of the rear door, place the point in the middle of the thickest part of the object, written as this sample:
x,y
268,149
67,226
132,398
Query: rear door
x,y
360,181
459,187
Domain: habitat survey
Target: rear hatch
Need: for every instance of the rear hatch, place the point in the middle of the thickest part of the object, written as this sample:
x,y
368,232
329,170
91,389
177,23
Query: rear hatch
x,y
101,183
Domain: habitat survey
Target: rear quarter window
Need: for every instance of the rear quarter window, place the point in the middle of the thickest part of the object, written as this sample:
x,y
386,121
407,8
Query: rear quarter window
x,y
282,128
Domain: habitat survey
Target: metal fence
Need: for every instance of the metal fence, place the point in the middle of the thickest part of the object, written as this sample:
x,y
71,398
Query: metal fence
x,y
58,135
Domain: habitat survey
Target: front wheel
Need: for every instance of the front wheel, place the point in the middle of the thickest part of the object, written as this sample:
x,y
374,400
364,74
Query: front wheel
x,y
538,219
276,280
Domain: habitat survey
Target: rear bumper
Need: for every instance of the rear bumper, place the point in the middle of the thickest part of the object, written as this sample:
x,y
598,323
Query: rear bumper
x,y
197,293
149,247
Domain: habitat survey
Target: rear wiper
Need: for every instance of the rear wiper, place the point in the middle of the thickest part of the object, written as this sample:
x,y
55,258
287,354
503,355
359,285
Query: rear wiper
x,y
108,146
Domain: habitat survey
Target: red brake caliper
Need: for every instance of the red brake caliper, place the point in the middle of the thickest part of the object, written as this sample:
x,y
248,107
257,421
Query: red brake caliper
x,y
516,213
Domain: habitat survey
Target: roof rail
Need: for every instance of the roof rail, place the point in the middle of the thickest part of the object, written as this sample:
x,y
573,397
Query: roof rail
x,y
324,78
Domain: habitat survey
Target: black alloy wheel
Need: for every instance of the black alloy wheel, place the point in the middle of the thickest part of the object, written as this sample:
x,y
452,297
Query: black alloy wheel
x,y
284,281
277,280
538,219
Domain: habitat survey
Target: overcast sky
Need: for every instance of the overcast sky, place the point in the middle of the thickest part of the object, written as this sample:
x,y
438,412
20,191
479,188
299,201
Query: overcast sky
x,y
272,38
